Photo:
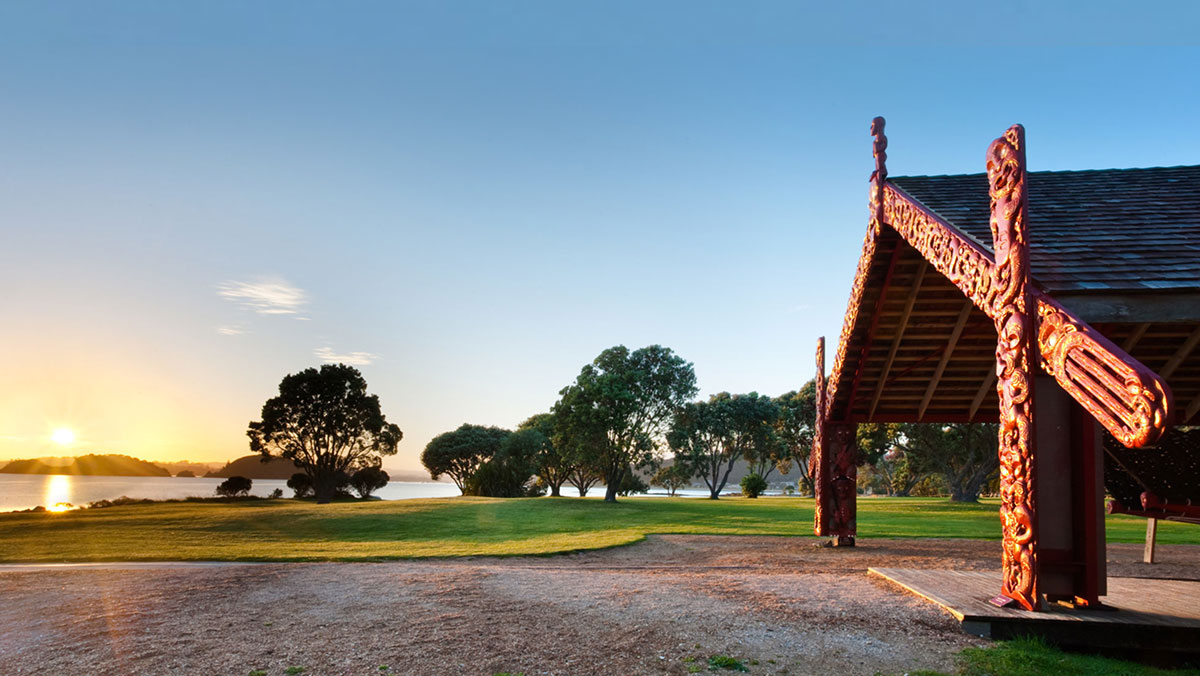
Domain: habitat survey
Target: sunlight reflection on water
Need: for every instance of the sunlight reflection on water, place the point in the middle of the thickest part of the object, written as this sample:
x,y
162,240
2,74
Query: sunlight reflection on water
x,y
57,493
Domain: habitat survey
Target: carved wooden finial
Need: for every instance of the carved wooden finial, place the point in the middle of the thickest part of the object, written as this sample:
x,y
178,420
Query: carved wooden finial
x,y
880,152
820,380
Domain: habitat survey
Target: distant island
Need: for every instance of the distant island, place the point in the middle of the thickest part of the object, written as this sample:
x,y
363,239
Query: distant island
x,y
86,465
113,464
252,467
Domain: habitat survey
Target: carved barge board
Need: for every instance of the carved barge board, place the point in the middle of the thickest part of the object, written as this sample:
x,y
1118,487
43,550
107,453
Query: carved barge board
x,y
1131,401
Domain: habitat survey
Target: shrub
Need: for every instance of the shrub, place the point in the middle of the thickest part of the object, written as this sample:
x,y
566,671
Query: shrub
x,y
753,485
234,486
368,480
276,494
301,485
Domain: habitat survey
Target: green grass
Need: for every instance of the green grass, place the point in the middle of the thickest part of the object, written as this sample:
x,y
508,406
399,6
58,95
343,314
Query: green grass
x,y
1032,657
290,530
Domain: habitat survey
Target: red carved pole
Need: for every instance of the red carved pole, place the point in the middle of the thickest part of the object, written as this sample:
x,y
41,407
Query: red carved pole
x,y
818,466
1014,312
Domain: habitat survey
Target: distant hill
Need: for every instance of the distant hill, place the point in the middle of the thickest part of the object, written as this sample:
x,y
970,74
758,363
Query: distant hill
x,y
196,468
252,467
740,469
87,465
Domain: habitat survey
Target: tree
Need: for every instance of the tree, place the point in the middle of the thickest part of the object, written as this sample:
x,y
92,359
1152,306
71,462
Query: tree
x,y
578,450
368,480
325,422
301,485
752,423
620,404
459,453
964,454
234,486
673,477
712,435
508,472
553,466
795,426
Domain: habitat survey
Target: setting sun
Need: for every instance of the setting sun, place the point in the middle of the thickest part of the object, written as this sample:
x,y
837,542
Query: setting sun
x,y
62,436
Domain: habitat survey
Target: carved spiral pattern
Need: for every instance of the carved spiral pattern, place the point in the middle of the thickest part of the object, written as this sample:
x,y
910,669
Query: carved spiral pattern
x,y
1129,399
1098,374
1011,305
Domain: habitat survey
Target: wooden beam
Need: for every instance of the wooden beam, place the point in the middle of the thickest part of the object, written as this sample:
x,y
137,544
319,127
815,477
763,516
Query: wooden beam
x,y
904,316
1151,536
1155,305
1192,409
988,384
1132,340
941,367
1182,353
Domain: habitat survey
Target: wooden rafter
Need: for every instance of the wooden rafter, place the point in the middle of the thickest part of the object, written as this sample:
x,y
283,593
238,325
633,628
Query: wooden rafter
x,y
963,315
1192,409
903,325
986,387
1132,340
1182,353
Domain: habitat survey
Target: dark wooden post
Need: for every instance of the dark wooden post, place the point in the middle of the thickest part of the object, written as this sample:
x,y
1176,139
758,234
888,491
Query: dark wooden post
x,y
1016,356
842,444
1070,491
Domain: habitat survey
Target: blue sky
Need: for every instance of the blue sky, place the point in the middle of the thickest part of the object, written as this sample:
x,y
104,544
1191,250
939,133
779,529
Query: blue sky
x,y
472,200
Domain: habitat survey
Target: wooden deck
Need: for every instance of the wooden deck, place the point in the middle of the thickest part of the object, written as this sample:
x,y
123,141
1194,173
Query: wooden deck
x,y
1141,614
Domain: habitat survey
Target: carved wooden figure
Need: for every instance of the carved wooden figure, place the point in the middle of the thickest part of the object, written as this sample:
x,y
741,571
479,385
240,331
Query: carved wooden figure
x,y
1013,312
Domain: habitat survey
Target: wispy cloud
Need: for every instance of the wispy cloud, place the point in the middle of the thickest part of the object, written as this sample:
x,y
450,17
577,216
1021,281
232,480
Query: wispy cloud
x,y
230,330
327,355
798,308
265,296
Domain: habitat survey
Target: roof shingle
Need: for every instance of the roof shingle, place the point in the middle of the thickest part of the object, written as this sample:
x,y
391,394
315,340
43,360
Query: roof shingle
x,y
1105,229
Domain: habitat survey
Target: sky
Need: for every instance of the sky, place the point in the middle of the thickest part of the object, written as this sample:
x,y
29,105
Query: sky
x,y
471,200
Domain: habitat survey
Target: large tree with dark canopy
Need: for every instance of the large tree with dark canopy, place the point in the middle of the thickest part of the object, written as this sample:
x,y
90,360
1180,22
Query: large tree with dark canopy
x,y
712,435
965,454
620,405
794,429
324,421
459,453
553,465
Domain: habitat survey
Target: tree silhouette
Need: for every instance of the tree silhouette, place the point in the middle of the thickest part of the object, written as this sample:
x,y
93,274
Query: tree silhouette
x,y
325,422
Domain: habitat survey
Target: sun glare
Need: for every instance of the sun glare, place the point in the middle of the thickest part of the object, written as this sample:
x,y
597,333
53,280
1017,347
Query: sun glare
x,y
63,436
58,493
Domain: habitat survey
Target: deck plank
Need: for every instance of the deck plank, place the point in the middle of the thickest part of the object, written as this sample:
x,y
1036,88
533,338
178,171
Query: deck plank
x,y
1143,612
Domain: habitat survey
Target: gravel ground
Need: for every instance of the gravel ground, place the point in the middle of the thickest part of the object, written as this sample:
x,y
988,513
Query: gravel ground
x,y
780,605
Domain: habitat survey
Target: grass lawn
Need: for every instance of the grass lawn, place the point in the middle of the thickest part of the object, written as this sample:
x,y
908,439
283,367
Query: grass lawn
x,y
1032,657
291,530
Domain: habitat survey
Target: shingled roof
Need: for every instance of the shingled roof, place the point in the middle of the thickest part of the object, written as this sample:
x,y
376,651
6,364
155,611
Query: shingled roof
x,y
1106,229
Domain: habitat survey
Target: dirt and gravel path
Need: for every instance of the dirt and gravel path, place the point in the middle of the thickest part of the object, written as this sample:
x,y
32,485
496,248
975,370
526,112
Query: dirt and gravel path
x,y
780,605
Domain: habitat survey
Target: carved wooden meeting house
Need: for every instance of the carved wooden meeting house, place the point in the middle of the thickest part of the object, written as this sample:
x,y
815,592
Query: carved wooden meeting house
x,y
1063,305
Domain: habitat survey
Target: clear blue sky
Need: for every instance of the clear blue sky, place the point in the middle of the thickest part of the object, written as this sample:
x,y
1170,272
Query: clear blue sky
x,y
474,199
